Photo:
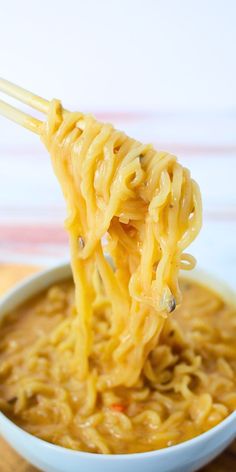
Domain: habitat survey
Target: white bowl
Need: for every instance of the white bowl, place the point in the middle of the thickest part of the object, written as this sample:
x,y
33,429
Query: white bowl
x,y
185,457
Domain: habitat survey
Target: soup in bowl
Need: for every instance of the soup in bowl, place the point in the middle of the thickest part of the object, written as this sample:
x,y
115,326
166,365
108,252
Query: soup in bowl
x,y
133,423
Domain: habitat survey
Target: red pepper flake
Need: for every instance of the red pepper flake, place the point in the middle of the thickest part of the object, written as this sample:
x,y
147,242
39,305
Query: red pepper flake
x,y
117,407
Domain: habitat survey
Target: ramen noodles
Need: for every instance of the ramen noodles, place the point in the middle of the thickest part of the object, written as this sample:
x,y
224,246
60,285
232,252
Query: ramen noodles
x,y
187,384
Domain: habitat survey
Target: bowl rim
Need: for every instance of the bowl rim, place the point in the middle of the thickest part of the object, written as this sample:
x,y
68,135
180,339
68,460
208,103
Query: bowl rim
x,y
140,455
196,274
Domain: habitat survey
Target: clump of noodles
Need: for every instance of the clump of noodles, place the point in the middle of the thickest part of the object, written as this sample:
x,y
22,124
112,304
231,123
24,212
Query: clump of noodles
x,y
149,209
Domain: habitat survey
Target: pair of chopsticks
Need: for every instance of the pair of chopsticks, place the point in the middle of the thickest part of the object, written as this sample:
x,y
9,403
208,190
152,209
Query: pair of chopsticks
x,y
24,96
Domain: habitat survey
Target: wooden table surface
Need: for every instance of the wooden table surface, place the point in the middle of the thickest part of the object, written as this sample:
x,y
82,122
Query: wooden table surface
x,y
12,462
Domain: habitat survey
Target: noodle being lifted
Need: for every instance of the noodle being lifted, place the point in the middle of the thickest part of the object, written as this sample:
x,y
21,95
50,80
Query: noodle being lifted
x,y
150,209
115,371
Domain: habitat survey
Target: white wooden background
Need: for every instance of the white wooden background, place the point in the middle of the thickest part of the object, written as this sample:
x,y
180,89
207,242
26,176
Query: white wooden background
x,y
164,71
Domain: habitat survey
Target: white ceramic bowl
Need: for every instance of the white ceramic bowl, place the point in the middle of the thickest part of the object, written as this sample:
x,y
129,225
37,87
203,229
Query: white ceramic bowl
x,y
185,457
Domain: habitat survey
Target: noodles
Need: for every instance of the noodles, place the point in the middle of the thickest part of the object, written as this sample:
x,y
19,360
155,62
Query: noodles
x,y
187,384
108,369
149,209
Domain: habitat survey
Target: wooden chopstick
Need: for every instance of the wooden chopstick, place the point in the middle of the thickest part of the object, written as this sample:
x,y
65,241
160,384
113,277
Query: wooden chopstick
x,y
27,97
24,96
20,117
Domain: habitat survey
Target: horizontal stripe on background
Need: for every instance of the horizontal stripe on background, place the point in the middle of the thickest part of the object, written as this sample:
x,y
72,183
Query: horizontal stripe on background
x,y
152,114
187,133
227,211
214,248
35,249
29,234
48,234
229,114
187,150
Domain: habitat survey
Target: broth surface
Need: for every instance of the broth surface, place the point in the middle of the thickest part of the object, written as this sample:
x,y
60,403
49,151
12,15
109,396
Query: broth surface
x,y
187,384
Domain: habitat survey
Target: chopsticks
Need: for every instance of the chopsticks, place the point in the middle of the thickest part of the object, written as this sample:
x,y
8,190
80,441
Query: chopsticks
x,y
24,96
20,117
27,97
